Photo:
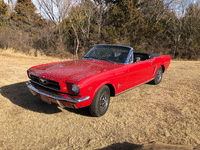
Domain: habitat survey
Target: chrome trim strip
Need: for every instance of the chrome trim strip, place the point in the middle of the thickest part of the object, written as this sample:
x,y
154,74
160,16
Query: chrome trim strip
x,y
32,88
129,55
155,70
133,87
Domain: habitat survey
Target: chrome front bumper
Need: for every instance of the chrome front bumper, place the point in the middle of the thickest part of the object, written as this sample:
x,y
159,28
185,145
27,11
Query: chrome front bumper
x,y
58,98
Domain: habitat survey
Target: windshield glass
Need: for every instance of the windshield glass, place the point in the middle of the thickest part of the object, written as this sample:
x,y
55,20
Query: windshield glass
x,y
110,53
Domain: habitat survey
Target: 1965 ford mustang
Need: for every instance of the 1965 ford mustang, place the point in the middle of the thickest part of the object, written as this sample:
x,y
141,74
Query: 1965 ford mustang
x,y
104,71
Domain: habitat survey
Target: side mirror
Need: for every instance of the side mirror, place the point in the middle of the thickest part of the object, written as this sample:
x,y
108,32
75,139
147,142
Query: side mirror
x,y
150,56
137,59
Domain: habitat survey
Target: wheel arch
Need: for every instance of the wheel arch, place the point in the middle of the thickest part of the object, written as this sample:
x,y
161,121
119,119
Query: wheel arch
x,y
112,89
110,86
163,68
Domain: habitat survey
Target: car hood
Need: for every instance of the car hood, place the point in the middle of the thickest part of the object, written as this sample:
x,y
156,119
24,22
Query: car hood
x,y
72,70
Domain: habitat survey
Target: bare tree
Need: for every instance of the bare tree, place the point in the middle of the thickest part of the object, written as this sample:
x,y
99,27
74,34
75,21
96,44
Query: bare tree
x,y
76,19
179,30
80,18
11,4
88,10
100,12
56,10
156,9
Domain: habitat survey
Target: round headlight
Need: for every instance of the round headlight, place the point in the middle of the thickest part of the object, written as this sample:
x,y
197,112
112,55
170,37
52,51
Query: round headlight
x,y
75,88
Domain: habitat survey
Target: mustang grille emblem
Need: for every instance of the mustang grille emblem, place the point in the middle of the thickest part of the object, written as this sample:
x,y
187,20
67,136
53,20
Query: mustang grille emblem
x,y
44,82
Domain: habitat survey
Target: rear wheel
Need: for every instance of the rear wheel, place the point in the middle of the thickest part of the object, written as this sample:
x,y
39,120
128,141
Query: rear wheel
x,y
100,102
158,76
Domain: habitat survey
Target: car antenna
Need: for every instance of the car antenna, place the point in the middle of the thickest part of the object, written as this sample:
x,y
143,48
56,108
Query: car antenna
x,y
74,48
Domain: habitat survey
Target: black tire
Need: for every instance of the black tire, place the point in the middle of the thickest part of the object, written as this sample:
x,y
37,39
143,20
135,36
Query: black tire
x,y
158,76
100,102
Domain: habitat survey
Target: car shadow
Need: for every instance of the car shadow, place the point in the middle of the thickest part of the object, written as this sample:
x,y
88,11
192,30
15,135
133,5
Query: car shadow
x,y
20,95
81,111
125,146
154,145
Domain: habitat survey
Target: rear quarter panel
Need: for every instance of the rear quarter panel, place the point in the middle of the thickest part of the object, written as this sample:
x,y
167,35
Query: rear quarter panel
x,y
163,60
166,61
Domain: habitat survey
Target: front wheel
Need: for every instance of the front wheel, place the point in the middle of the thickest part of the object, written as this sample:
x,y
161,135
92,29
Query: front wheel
x,y
158,76
100,102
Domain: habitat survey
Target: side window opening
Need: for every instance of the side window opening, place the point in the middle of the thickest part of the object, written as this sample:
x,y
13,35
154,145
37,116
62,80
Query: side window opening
x,y
142,56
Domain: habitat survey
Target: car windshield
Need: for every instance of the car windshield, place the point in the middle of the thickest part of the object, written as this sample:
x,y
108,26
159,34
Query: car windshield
x,y
110,53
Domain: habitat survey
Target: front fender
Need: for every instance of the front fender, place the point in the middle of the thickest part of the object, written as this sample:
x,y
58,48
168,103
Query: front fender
x,y
95,90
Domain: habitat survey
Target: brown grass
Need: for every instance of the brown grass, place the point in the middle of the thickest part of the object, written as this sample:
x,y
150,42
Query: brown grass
x,y
168,112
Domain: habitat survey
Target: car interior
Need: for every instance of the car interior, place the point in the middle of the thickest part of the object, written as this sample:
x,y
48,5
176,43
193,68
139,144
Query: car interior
x,y
143,56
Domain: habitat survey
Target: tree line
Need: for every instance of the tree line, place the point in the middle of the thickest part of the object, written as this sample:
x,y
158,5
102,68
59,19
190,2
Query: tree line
x,y
69,26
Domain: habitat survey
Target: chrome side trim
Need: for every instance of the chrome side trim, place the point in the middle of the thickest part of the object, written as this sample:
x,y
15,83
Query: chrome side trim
x,y
33,89
133,87
155,70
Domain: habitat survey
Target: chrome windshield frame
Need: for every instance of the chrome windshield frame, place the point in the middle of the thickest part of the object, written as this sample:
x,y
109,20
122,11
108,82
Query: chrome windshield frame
x,y
129,56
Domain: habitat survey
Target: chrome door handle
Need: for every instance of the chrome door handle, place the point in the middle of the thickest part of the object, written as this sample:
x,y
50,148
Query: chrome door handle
x,y
151,62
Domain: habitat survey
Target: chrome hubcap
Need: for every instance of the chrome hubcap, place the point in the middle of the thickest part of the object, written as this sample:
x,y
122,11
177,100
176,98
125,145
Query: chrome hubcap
x,y
159,75
103,101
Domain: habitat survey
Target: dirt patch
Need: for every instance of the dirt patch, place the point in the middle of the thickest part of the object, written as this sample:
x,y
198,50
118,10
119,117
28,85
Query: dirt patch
x,y
168,113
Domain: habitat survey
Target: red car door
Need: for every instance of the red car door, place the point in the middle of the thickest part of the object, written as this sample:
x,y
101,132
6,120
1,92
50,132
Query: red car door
x,y
140,72
149,69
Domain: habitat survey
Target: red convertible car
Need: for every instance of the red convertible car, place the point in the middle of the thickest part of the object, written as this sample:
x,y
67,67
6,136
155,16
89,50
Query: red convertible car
x,y
104,71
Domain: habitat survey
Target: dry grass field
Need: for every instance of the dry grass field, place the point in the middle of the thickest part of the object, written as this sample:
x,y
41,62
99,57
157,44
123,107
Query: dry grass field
x,y
167,113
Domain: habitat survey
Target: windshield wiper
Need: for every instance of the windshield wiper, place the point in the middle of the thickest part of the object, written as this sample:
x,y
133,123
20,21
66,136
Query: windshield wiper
x,y
111,61
87,57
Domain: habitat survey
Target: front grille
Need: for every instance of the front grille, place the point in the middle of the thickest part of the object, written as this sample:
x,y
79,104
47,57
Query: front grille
x,y
46,83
